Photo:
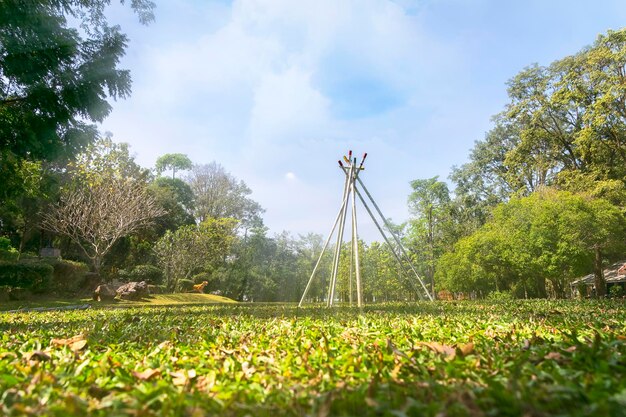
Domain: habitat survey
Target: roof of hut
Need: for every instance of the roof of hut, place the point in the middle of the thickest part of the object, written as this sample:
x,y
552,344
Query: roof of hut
x,y
611,275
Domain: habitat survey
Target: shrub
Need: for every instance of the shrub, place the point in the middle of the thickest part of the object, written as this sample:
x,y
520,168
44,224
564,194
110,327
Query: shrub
x,y
7,252
149,273
157,289
5,243
184,285
616,291
500,296
123,275
5,293
69,276
35,276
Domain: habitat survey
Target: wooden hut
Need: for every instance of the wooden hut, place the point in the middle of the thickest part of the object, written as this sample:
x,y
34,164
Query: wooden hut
x,y
614,275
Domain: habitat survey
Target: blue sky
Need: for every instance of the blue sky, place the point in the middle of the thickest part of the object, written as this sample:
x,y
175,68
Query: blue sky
x,y
278,90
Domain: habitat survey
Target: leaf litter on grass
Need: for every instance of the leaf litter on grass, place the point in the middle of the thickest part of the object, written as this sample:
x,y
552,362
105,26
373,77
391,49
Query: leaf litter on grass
x,y
453,359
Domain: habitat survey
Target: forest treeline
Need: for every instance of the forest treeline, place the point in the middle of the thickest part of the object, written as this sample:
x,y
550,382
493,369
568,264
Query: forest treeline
x,y
540,202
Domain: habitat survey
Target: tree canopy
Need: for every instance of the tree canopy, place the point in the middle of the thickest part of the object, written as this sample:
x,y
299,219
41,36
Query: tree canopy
x,y
54,78
173,161
107,199
219,194
565,126
536,244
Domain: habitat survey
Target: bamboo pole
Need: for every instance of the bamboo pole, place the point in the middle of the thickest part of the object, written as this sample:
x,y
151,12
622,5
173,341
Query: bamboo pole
x,y
330,235
342,225
355,243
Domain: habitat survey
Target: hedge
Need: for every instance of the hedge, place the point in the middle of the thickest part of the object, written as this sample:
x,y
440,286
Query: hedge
x,y
184,285
148,273
68,276
35,276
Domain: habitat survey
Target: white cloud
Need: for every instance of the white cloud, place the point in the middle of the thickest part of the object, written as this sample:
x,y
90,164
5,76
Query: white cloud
x,y
259,91
286,104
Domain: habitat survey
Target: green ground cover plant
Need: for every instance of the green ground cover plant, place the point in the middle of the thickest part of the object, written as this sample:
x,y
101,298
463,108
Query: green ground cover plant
x,y
526,358
48,302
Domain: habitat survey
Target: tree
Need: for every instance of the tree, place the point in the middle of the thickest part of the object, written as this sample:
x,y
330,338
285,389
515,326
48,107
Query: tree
x,y
599,231
496,171
20,214
476,264
176,197
194,248
54,79
308,249
383,278
535,245
219,194
564,126
95,217
430,204
105,198
173,161
103,159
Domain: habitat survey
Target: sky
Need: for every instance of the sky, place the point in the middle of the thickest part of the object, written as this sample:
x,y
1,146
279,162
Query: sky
x,y
276,91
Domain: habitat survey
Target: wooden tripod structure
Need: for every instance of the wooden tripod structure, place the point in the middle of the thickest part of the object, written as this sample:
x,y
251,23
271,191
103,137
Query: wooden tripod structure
x,y
350,191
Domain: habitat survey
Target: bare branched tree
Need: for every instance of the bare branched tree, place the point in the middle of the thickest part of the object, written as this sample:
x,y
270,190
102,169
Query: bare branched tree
x,y
95,217
220,195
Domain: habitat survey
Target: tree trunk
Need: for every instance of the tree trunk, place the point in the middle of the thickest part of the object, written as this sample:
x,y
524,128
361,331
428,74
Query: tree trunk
x,y
541,287
242,288
598,275
97,263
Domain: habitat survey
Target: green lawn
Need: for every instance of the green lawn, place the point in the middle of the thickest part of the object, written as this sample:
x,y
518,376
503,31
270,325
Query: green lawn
x,y
155,299
524,358
176,299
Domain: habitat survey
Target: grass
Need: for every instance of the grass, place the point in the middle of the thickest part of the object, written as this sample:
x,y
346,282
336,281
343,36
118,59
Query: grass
x,y
155,299
176,299
524,358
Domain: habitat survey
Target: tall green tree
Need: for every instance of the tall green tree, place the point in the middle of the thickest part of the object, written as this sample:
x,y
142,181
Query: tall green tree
x,y
20,216
174,162
59,68
176,197
248,277
383,278
103,159
564,126
54,78
535,245
192,249
308,249
429,204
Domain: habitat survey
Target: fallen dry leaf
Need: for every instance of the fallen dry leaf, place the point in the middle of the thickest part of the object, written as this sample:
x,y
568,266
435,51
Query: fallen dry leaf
x,y
181,378
75,343
205,382
446,350
553,355
466,349
147,374
38,355
4,355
